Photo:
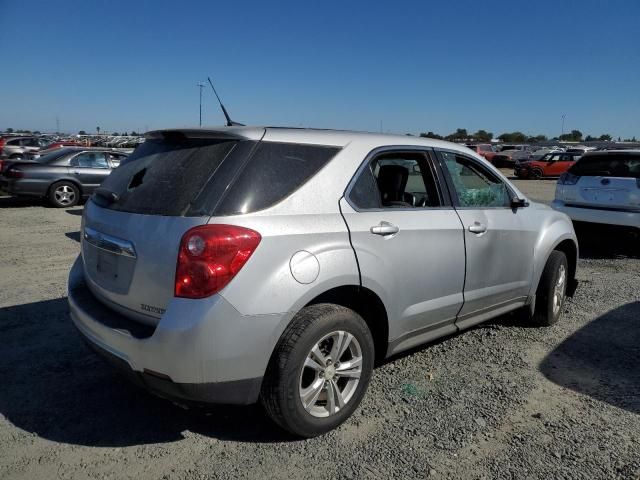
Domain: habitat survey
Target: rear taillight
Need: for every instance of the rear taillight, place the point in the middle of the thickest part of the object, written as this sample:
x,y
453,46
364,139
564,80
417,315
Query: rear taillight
x,y
14,173
1,165
568,179
210,256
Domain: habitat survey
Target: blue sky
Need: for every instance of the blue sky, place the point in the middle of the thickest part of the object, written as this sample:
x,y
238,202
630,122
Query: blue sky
x,y
415,65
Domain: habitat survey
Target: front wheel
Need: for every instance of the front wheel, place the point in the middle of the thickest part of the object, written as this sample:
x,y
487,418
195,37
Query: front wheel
x,y
319,371
536,173
552,290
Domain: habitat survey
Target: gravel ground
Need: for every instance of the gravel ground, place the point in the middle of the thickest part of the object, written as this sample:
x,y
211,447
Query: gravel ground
x,y
498,401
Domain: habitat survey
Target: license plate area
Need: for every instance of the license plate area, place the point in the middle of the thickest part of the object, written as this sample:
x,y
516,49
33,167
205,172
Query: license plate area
x,y
107,270
107,266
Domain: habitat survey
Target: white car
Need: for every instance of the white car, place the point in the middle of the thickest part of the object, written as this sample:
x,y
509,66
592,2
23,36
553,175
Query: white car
x,y
602,187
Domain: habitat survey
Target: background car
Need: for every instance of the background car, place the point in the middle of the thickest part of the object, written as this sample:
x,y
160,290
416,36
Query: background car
x,y
63,176
550,165
509,157
602,187
580,149
484,150
18,148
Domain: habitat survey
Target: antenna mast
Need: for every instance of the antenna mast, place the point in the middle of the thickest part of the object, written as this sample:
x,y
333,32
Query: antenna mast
x,y
230,123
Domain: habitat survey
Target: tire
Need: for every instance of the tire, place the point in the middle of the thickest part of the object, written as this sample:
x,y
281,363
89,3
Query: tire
x,y
535,174
63,195
289,377
552,290
16,157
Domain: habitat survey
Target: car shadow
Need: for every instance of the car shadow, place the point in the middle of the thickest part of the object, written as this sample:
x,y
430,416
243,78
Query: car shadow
x,y
75,236
601,359
15,202
76,211
607,241
54,386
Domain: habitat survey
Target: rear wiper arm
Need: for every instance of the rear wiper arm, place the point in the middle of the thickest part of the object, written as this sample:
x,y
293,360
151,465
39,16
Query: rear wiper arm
x,y
105,196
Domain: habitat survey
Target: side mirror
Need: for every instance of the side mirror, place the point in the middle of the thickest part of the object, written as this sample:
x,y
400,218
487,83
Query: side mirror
x,y
519,202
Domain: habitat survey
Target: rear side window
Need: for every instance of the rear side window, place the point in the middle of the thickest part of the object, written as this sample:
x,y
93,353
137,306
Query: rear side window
x,y
274,171
162,177
200,177
612,164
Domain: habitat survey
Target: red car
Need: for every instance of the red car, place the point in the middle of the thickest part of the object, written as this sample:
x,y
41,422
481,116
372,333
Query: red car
x,y
483,149
553,164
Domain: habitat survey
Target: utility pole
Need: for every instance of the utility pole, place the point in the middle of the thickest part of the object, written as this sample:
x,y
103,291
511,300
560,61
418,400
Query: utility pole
x,y
57,124
562,130
200,86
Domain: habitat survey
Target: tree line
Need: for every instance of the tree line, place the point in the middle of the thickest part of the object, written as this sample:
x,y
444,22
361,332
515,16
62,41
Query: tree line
x,y
461,135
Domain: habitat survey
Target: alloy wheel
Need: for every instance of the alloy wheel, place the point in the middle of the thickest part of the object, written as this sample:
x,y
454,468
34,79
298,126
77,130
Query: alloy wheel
x,y
331,374
65,195
559,289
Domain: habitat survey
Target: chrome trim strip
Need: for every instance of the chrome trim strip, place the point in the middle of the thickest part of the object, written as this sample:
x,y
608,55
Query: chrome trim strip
x,y
108,243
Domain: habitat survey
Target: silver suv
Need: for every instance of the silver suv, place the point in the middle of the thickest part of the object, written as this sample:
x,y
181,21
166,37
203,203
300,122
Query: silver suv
x,y
244,264
18,148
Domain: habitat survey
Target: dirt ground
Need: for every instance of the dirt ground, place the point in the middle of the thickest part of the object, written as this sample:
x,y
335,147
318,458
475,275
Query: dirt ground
x,y
499,401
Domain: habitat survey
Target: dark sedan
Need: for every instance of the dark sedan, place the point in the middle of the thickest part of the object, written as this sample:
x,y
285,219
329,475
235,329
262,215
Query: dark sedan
x,y
63,176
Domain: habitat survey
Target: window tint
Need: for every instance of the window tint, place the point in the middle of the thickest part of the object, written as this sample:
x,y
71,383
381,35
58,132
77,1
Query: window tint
x,y
612,164
90,160
15,141
274,171
474,185
162,177
364,193
396,180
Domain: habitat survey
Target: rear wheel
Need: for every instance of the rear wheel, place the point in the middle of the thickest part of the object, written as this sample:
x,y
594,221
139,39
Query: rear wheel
x,y
552,290
319,371
63,195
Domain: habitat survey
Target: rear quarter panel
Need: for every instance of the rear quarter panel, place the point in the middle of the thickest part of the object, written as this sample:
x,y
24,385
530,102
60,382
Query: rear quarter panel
x,y
555,227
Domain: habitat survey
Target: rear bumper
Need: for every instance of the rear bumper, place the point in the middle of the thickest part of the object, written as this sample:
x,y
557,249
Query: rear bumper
x,y
22,187
594,215
239,392
201,350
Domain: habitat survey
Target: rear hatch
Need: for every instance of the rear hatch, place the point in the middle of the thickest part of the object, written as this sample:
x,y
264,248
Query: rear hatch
x,y
133,224
607,180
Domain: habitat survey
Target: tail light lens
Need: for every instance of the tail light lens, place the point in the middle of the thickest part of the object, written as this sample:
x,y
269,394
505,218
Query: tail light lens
x,y
568,179
210,256
14,173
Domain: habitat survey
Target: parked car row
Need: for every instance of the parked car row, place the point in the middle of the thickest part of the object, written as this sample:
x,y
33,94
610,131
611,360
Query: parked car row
x,y
20,147
63,176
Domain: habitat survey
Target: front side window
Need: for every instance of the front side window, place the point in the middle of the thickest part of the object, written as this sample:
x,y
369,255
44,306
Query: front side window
x,y
475,186
396,180
90,160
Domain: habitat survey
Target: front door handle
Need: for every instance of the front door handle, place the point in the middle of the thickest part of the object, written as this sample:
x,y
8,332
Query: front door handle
x,y
384,228
477,228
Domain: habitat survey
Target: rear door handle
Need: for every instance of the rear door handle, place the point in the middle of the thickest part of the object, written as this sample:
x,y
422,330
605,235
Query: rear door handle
x,y
384,228
477,228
